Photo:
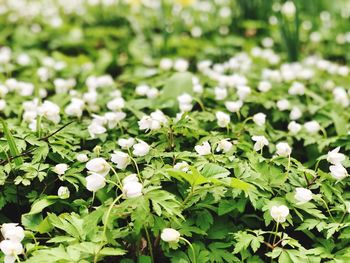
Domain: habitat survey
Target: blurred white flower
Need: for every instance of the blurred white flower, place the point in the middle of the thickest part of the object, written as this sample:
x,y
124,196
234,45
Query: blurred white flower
x,y
220,93
288,9
338,171
60,168
233,106
279,213
243,92
295,113
335,157
141,148
294,127
283,105
312,127
63,192
165,64
223,119
98,166
95,182
12,231
121,159
302,195
259,119
260,142
126,143
183,166
264,86
170,235
224,145
203,149
283,149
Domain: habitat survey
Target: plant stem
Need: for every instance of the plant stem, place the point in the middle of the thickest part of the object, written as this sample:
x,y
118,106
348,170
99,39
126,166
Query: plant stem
x,y
104,237
190,245
150,248
329,212
276,233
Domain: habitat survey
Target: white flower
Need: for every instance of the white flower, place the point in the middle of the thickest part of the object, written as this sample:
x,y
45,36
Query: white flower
x,y
297,88
126,143
95,182
259,119
233,106
294,127
23,59
185,102
82,157
132,189
295,113
121,159
12,231
50,111
181,65
11,248
203,149
90,97
113,118
302,195
75,108
338,171
197,88
116,104
283,104
220,93
152,93
334,157
183,166
260,142
279,213
288,9
224,146
63,192
243,92
341,97
170,235
184,98
130,178
147,123
223,119
159,116
283,149
141,148
2,104
96,128
60,168
142,90
312,126
264,86
165,64
99,166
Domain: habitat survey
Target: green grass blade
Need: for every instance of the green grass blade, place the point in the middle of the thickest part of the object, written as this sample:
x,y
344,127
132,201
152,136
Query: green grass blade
x,y
11,142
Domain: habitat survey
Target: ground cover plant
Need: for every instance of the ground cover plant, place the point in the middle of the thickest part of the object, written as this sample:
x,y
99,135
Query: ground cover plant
x,y
174,131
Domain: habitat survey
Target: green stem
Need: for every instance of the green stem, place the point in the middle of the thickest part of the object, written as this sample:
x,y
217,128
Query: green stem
x,y
329,212
190,245
149,244
276,234
104,237
136,166
119,184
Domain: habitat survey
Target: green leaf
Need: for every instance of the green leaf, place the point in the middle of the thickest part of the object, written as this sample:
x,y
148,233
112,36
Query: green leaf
x,y
11,143
176,85
239,184
211,170
38,206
